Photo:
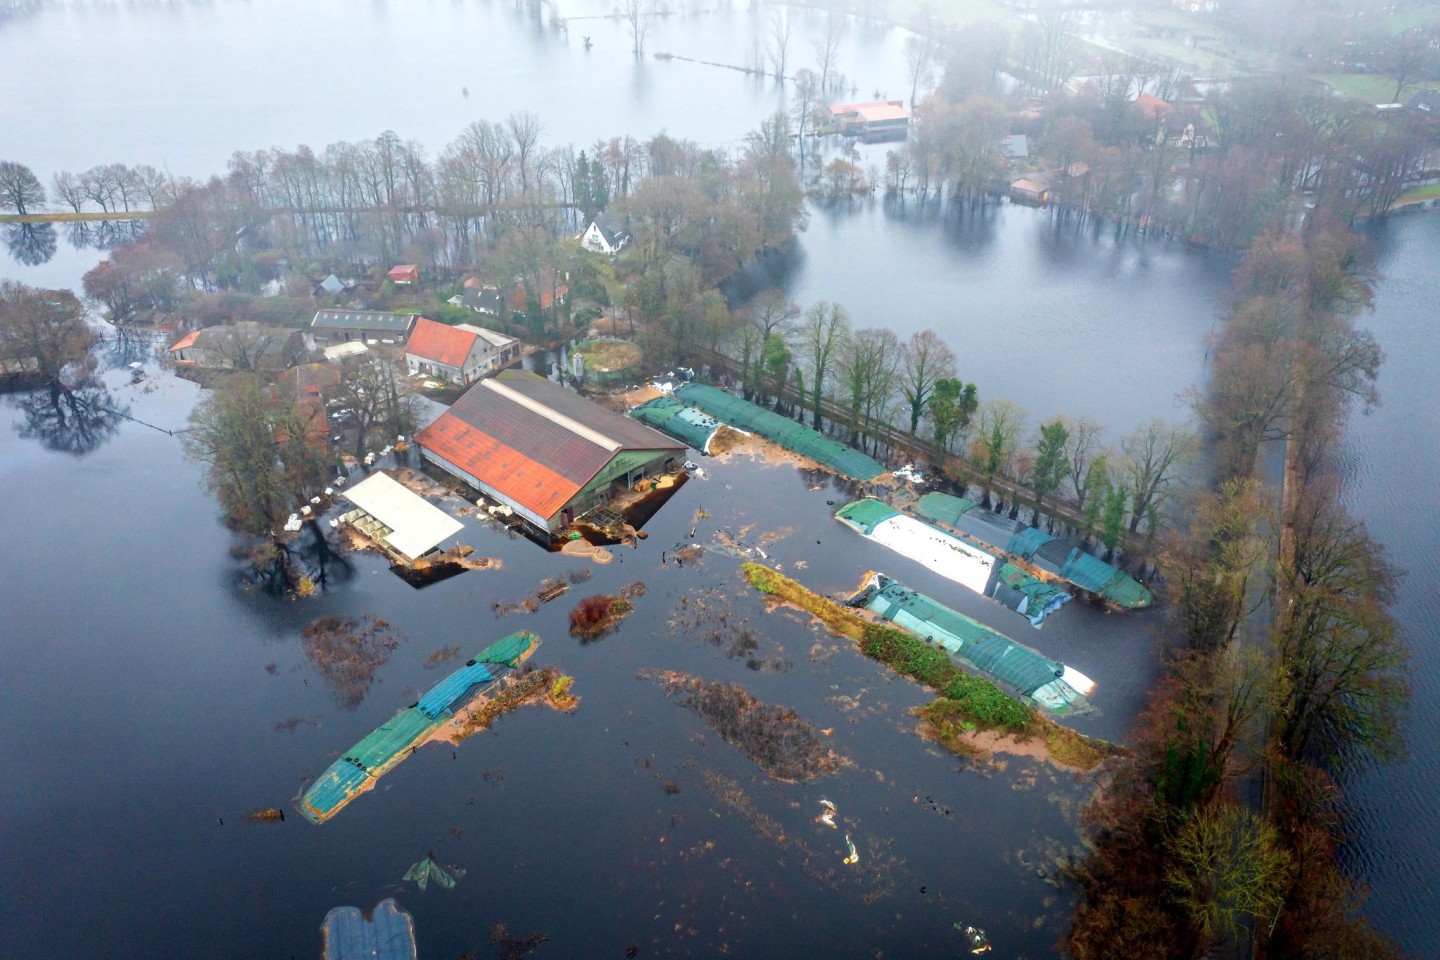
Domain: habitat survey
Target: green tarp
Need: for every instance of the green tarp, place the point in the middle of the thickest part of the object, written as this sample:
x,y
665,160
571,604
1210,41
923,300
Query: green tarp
x,y
685,423
1097,576
943,508
796,437
863,515
1029,596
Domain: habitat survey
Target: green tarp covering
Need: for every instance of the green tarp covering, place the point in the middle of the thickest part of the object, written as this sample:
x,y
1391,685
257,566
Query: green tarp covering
x,y
863,515
685,423
1097,576
1024,543
1029,596
1021,668
796,437
944,508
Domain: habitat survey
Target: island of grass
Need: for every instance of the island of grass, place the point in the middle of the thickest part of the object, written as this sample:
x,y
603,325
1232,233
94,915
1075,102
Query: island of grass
x,y
967,708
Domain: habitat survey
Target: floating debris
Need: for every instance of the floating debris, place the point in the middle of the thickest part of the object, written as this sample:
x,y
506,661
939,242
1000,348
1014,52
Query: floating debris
x,y
291,724
827,814
346,652
514,948
777,739
975,936
438,657
265,815
854,856
385,933
422,872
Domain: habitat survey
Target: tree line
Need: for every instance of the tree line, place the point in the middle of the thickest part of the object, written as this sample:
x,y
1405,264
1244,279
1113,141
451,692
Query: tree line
x,y
859,384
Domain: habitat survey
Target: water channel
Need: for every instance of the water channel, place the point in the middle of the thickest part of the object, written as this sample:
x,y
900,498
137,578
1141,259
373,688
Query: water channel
x,y
143,685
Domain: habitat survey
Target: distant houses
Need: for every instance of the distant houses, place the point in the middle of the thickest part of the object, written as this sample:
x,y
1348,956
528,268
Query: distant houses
x,y
240,346
336,326
549,454
604,236
459,354
486,298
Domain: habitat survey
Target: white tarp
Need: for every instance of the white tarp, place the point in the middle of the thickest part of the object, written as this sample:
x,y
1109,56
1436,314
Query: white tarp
x,y
415,525
351,348
938,551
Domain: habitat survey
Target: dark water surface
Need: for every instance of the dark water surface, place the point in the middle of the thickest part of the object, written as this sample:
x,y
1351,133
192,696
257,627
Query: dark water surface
x,y
135,702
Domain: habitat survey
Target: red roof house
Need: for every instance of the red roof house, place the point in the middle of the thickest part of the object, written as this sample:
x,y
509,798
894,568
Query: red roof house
x,y
460,354
404,274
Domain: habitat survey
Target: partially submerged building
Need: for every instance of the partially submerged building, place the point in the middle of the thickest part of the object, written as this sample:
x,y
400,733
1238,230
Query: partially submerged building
x,y
1047,683
459,354
874,121
337,326
544,451
401,522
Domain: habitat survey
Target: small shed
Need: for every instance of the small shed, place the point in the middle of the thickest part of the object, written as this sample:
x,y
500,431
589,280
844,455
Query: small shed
x,y
404,274
401,520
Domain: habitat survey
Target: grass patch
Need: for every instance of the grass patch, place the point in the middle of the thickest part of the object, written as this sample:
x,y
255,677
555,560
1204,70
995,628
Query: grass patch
x,y
1431,191
839,619
1369,88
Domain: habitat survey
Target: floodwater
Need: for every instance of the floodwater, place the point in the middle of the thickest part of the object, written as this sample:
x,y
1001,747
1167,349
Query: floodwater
x,y
140,705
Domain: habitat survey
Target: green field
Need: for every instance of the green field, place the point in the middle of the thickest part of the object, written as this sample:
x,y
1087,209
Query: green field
x,y
1366,87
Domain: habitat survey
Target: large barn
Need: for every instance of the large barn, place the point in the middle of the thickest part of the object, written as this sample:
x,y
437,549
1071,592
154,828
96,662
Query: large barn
x,y
545,451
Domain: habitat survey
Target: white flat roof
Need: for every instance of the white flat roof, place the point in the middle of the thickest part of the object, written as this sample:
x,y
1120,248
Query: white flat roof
x,y
415,525
349,348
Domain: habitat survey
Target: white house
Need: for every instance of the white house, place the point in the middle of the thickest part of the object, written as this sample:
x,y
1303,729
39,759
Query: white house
x,y
602,236
460,354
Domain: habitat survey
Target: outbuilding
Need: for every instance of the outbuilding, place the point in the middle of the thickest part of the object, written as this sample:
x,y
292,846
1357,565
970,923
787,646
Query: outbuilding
x,y
459,354
337,326
397,519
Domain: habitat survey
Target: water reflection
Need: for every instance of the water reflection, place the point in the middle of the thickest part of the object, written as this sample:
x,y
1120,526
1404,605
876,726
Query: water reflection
x,y
75,421
30,244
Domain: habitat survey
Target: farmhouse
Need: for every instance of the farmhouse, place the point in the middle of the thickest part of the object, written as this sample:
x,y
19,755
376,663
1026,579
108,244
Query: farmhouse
x,y
239,346
460,354
549,454
604,236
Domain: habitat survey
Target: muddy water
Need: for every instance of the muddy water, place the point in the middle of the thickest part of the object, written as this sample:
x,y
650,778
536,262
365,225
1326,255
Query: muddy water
x,y
145,684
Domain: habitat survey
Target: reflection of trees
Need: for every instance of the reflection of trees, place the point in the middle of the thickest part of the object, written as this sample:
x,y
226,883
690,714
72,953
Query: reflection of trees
x,y
30,243
103,235
74,421
298,565
126,345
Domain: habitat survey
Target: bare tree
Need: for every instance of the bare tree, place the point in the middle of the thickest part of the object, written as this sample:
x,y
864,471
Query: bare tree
x,y
924,360
524,129
771,315
869,364
1154,454
1080,450
922,52
637,14
1000,425
827,49
823,332
69,189
779,43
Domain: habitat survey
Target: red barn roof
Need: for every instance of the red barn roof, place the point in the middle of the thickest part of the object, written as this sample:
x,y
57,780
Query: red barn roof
x,y
404,273
440,343
532,441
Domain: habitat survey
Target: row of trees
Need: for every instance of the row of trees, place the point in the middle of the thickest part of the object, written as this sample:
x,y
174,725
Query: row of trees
x,y
1221,831
858,383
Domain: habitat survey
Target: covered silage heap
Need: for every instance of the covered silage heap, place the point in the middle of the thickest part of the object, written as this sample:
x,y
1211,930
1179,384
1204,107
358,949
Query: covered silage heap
x,y
1049,684
955,557
795,437
685,423
1051,555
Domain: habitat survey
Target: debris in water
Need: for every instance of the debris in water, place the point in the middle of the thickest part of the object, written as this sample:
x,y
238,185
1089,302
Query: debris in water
x,y
777,739
827,814
854,856
426,870
265,815
440,656
514,948
346,652
976,938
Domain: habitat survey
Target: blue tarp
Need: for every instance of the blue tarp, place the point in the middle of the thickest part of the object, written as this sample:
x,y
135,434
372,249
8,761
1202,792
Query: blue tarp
x,y
388,934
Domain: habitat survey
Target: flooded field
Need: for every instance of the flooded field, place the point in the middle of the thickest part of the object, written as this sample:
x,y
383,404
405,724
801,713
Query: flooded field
x,y
220,698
